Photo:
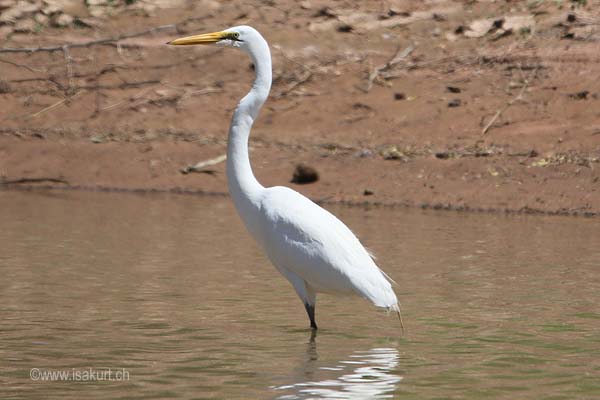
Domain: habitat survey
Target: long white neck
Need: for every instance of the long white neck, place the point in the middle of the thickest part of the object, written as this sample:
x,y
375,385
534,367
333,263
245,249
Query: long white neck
x,y
243,186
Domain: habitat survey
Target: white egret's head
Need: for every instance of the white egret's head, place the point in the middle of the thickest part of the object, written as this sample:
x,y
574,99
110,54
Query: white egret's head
x,y
237,36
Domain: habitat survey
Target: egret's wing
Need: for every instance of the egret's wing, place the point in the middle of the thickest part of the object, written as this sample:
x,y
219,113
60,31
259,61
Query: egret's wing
x,y
311,242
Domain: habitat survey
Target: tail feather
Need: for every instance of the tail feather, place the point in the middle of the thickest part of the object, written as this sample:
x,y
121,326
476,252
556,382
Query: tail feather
x,y
390,280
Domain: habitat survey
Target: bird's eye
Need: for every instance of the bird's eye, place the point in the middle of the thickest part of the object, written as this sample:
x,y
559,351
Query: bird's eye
x,y
233,36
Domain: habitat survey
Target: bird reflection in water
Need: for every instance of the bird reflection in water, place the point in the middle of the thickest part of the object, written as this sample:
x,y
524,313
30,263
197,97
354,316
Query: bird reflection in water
x,y
363,375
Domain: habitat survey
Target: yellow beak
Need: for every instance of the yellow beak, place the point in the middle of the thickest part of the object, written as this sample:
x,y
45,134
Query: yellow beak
x,y
205,38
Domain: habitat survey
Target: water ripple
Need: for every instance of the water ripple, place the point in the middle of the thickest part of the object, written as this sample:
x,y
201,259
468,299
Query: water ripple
x,y
368,375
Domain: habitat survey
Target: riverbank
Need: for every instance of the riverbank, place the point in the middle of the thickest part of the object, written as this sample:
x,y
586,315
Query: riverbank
x,y
424,106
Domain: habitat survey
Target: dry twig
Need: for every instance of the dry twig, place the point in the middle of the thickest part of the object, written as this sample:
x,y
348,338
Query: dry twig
x,y
99,42
27,67
512,101
399,56
58,103
305,77
32,180
69,61
292,86
119,103
200,167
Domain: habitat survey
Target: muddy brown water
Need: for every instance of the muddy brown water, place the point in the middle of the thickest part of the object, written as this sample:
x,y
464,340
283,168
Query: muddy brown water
x,y
170,292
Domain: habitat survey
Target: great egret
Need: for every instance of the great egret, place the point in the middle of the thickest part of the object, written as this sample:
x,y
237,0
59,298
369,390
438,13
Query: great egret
x,y
307,244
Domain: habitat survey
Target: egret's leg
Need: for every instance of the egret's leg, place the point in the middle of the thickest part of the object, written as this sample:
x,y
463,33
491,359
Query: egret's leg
x,y
305,292
310,310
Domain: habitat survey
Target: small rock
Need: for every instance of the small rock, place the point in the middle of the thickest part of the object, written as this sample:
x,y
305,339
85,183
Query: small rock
x,y
580,32
454,103
519,23
86,22
583,95
453,89
165,92
97,139
62,20
362,106
364,153
479,28
305,174
305,5
392,153
368,192
493,172
326,12
500,26
4,86
439,17
395,11
399,96
442,155
97,11
541,163
41,18
345,28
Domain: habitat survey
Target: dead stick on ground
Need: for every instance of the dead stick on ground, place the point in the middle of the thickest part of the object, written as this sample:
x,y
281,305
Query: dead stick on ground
x,y
199,167
106,41
50,107
32,180
304,78
27,67
308,73
397,58
509,103
124,85
69,62
134,97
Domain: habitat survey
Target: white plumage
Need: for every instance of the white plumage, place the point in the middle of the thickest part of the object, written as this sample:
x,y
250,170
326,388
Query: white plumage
x,y
307,244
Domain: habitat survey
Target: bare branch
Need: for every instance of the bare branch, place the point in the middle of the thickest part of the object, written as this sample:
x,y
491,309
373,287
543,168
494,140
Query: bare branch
x,y
291,87
27,67
52,106
69,62
201,166
399,56
512,101
105,41
32,180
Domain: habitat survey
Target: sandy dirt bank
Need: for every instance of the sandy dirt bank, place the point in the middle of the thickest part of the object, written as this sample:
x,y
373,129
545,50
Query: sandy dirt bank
x,y
441,104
